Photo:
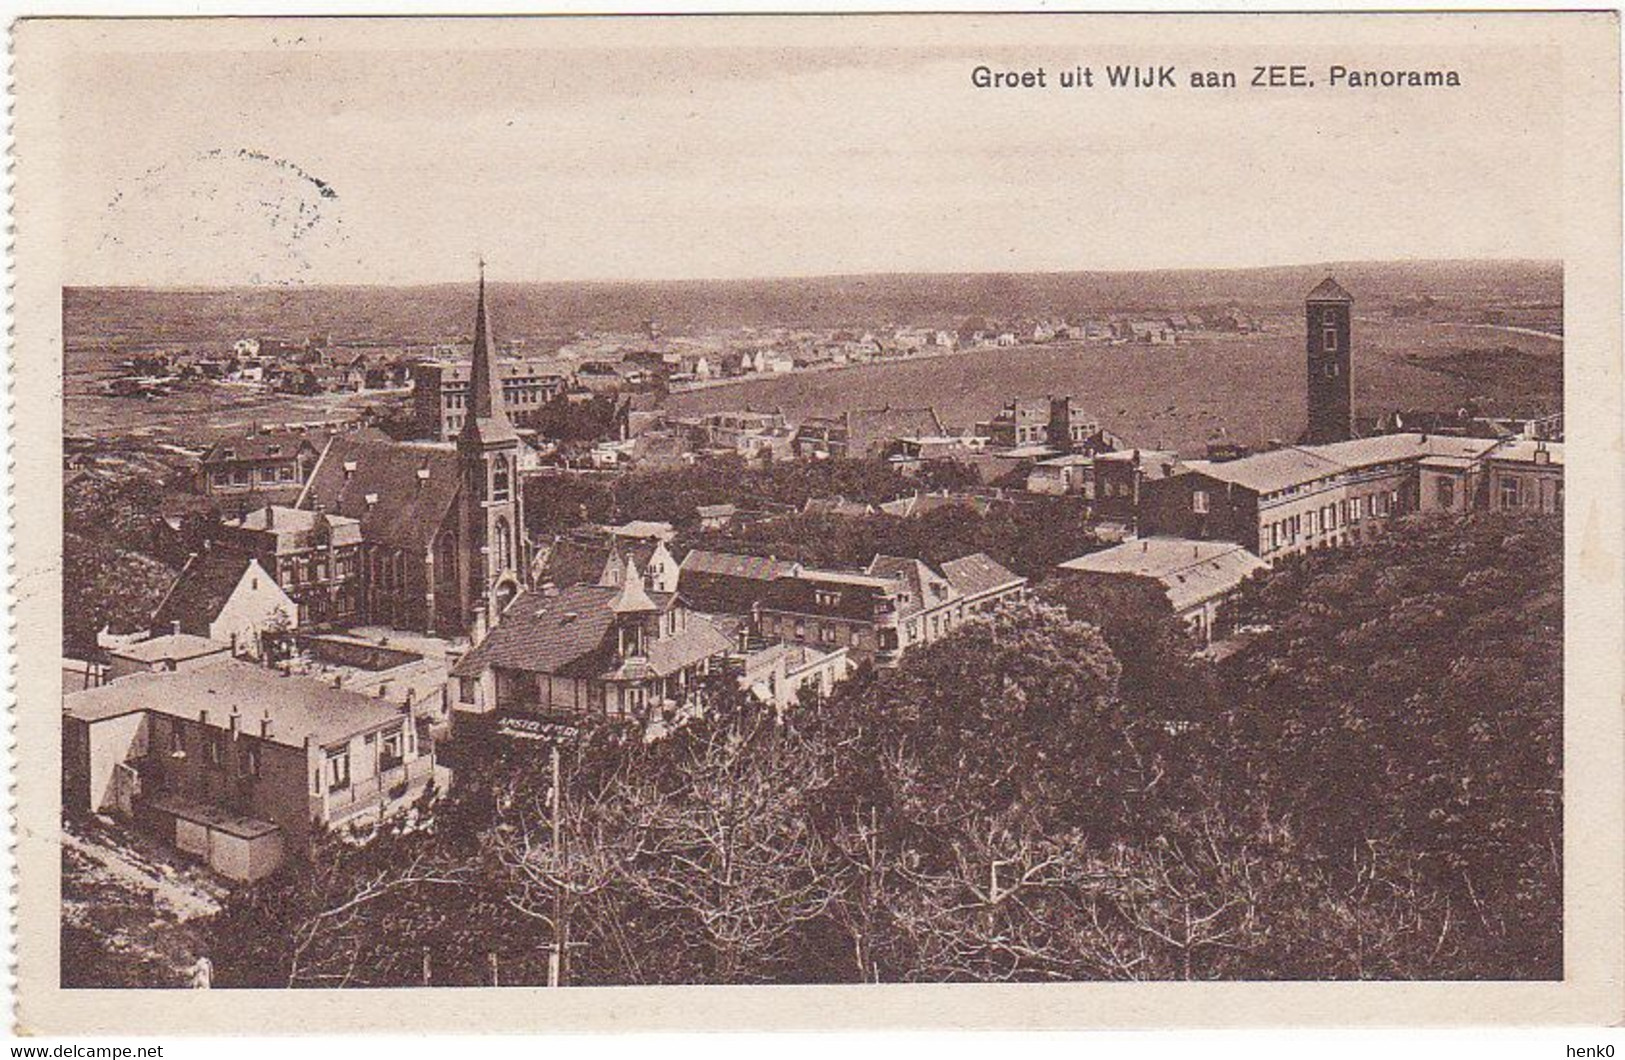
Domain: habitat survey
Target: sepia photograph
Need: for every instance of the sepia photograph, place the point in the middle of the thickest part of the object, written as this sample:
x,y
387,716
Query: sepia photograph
x,y
850,501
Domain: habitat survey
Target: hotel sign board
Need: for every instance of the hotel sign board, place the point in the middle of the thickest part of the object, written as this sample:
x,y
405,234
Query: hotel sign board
x,y
538,729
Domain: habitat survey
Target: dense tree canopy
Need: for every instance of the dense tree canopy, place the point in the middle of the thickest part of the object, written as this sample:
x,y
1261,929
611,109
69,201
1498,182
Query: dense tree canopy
x,y
1056,791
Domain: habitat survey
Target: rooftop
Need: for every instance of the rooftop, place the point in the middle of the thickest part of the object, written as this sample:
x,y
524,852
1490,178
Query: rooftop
x,y
1329,290
171,647
298,707
1189,571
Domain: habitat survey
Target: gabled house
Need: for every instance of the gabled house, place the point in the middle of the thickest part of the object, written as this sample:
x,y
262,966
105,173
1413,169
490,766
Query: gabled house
x,y
226,596
587,652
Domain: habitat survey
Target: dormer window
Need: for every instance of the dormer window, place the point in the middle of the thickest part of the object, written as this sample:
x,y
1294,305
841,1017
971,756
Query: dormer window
x,y
827,597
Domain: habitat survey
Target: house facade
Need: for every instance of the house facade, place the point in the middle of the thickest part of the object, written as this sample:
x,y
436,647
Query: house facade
x,y
601,652
251,470
441,396
1199,578
877,614
236,764
316,558
1300,498
227,597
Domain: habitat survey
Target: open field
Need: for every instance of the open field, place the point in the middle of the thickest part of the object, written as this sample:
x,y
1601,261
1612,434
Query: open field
x,y
196,412
1425,337
1252,386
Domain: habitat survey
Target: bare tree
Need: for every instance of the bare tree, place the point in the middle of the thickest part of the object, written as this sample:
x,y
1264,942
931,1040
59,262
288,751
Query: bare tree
x,y
726,840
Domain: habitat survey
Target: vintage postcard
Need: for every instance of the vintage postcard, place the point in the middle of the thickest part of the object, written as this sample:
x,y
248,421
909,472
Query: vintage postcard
x,y
817,522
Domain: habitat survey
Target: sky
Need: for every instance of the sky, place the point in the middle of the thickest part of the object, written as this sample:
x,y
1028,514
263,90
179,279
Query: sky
x,y
262,156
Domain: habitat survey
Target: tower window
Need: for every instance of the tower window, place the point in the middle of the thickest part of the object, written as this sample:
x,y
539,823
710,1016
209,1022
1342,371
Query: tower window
x,y
1331,371
1328,338
499,480
504,545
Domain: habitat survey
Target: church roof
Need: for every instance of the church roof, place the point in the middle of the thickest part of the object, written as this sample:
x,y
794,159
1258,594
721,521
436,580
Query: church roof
x,y
487,418
406,509
1328,290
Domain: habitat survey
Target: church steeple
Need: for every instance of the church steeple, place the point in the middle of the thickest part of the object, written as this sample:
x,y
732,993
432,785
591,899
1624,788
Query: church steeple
x,y
487,416
490,542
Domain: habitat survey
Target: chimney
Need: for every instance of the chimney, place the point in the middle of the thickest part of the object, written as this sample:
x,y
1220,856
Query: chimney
x,y
372,501
349,469
265,725
203,717
234,721
175,628
423,477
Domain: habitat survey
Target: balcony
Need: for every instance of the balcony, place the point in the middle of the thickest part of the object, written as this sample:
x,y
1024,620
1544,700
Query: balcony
x,y
370,793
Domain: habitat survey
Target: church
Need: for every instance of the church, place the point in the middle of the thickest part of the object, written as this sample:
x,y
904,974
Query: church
x,y
443,544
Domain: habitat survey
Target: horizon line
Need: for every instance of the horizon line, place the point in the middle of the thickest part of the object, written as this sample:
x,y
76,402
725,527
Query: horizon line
x,y
777,277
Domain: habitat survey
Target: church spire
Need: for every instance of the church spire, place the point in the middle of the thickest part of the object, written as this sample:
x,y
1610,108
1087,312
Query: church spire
x,y
487,418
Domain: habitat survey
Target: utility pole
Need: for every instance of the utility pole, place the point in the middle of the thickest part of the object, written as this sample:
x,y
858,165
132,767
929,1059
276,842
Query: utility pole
x,y
556,969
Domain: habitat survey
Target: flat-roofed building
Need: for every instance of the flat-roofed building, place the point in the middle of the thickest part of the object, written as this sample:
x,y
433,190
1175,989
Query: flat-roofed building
x,y
170,652
237,764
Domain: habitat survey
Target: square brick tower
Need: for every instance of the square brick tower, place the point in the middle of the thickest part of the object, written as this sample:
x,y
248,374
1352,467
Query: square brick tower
x,y
1331,380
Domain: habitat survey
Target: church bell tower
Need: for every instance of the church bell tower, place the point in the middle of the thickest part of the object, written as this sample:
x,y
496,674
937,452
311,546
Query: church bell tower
x,y
1327,312
490,530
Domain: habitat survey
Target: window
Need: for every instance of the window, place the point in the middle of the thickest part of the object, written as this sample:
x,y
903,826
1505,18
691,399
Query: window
x,y
1199,502
1511,493
390,751
216,749
1328,338
801,630
504,545
251,760
1445,490
827,597
829,634
499,480
284,474
338,769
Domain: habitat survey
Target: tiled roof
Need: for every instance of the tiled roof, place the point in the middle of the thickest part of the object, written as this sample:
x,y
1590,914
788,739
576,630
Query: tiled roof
x,y
1300,464
298,706
763,568
261,445
924,586
1328,290
410,509
544,633
202,589
567,633
977,574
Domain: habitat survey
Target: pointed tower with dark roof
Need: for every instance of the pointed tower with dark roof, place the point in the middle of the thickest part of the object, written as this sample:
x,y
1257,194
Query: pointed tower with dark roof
x,y
1327,312
490,532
